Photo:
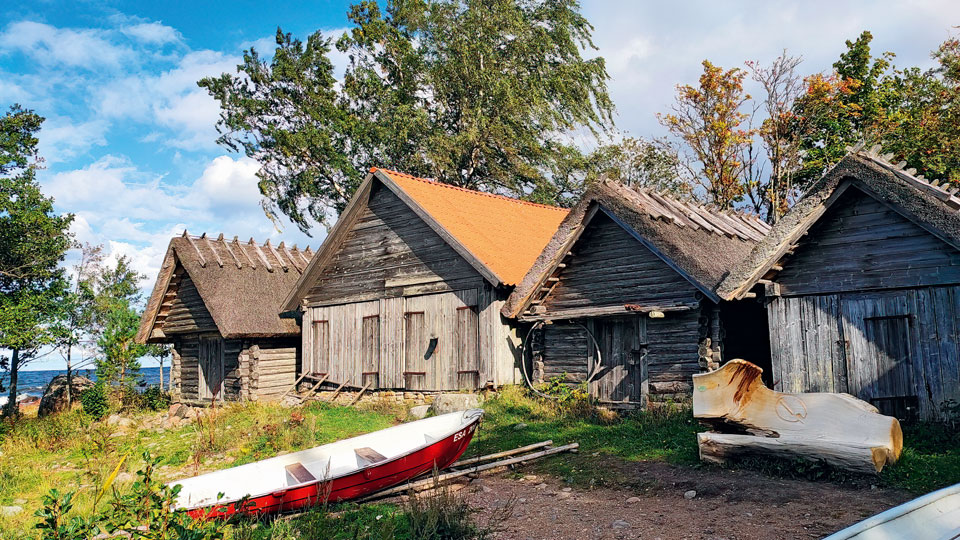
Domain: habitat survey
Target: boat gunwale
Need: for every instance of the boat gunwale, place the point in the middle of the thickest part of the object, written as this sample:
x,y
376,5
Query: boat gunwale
x,y
469,417
895,513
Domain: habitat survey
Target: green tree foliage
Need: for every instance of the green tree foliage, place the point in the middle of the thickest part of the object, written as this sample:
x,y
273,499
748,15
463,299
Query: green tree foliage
x,y
709,119
842,108
33,243
481,94
114,320
638,162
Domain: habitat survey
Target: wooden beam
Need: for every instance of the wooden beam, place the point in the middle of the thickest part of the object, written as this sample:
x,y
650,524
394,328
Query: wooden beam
x,y
226,246
505,453
576,313
359,394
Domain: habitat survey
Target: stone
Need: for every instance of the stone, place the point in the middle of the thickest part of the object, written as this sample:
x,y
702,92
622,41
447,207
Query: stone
x,y
541,486
633,500
19,501
566,490
486,489
176,410
10,510
520,426
448,403
531,477
690,494
125,477
620,524
54,397
564,495
420,411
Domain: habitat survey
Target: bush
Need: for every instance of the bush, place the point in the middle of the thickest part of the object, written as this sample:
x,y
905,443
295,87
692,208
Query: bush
x,y
156,399
147,506
96,401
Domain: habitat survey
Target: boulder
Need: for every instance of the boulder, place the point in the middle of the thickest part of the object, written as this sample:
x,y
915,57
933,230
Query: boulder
x,y
54,397
418,412
447,403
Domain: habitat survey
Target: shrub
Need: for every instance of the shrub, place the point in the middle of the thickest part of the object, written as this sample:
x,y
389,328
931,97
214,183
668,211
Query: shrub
x,y
96,401
145,507
156,399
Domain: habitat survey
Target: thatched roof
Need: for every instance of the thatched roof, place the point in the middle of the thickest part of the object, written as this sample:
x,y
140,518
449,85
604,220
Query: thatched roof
x,y
242,284
499,236
931,204
699,242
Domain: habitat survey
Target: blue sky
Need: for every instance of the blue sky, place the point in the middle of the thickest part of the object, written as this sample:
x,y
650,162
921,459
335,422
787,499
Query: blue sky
x,y
129,140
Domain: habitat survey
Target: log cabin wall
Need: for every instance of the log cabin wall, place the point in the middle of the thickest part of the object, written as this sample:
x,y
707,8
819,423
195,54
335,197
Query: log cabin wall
x,y
397,307
642,358
868,304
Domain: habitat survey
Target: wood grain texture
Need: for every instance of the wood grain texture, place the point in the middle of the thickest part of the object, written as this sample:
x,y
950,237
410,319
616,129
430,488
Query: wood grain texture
x,y
390,251
862,244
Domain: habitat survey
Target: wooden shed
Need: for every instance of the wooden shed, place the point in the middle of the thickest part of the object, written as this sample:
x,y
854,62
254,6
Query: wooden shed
x,y
861,280
406,291
217,301
625,293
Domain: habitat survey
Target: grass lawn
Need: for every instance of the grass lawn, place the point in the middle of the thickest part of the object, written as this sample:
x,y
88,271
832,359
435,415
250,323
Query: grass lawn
x,y
73,453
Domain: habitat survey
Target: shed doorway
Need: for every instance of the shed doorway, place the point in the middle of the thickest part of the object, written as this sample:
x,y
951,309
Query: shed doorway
x,y
210,368
878,335
623,354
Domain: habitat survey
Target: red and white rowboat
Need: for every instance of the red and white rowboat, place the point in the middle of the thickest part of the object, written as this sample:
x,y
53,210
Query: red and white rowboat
x,y
333,472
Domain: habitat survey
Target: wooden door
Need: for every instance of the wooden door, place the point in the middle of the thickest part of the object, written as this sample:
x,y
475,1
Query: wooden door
x,y
319,348
878,333
211,368
370,351
622,344
468,348
418,350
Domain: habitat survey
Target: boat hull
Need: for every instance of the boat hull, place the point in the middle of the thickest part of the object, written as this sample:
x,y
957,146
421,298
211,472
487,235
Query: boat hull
x,y
440,455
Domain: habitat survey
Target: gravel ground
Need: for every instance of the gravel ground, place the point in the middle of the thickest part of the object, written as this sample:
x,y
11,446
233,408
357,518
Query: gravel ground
x,y
666,502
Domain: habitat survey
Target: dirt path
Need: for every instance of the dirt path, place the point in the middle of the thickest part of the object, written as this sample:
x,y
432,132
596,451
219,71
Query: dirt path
x,y
732,505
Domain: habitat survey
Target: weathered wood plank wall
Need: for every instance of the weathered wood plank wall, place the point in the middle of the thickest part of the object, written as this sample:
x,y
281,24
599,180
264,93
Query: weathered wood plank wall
x,y
391,252
862,244
877,346
610,267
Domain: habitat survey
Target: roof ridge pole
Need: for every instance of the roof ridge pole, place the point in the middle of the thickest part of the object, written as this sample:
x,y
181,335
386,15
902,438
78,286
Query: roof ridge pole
x,y
203,261
276,254
240,248
230,251
213,248
263,258
283,249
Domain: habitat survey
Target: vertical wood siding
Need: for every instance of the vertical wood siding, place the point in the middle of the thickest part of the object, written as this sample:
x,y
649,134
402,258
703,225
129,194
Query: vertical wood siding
x,y
877,346
395,337
862,244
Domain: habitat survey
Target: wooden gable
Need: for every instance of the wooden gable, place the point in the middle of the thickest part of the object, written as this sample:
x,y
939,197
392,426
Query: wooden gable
x,y
183,309
861,243
608,266
389,251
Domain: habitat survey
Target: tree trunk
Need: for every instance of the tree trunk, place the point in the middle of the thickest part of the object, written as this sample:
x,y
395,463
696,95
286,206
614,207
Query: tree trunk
x,y
12,410
69,389
835,428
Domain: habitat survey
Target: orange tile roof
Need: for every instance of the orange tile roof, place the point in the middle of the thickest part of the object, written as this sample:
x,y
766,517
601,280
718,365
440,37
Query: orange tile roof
x,y
507,235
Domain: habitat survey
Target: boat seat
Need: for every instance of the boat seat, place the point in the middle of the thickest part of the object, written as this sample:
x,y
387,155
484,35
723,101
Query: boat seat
x,y
368,456
298,474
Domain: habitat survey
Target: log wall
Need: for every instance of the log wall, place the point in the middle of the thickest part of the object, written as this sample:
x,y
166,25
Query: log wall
x,y
610,267
253,370
186,312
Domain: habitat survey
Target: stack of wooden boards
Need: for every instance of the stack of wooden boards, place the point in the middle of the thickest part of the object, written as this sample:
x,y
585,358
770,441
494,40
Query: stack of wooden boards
x,y
749,419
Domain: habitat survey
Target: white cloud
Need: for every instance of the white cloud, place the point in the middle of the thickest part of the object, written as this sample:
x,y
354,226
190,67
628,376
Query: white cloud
x,y
153,33
230,184
62,139
52,46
